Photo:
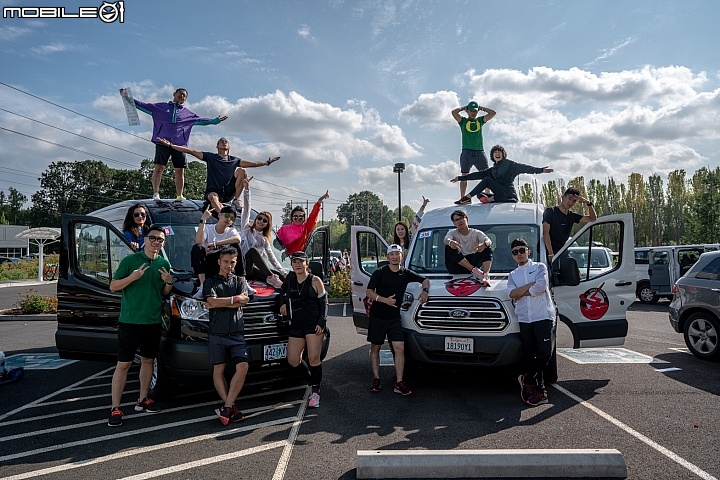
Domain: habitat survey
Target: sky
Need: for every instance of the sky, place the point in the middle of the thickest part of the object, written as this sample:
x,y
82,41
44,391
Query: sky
x,y
343,90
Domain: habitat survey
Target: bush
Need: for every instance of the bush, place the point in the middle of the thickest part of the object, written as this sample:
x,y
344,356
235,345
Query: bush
x,y
32,303
340,285
25,269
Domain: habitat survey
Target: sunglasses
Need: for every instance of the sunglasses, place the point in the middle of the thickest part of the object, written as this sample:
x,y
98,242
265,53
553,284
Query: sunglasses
x,y
261,219
298,217
153,238
230,216
138,214
519,251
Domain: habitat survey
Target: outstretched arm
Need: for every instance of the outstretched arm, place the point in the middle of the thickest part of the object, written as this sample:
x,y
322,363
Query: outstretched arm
x,y
194,153
249,164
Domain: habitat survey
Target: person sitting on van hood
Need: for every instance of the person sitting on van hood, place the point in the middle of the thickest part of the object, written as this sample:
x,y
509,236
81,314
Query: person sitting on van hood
x,y
499,178
467,248
294,236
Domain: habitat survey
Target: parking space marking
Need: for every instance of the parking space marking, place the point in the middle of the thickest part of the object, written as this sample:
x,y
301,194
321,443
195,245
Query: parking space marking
x,y
290,442
653,339
206,461
37,361
669,454
585,356
671,369
60,414
86,387
79,399
150,448
682,350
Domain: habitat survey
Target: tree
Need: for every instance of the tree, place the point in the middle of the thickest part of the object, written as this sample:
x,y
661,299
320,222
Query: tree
x,y
366,208
636,202
655,209
526,193
16,201
704,207
550,194
676,209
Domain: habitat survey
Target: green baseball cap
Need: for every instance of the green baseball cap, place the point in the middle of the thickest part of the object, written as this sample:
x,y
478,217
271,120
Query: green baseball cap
x,y
472,106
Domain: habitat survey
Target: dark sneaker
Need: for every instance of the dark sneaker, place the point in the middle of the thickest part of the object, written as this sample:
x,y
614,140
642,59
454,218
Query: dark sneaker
x,y
538,397
402,388
116,417
148,405
526,390
236,415
225,414
463,201
375,387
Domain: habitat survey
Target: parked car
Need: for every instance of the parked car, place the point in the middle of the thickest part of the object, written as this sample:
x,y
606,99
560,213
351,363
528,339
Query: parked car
x,y
600,260
9,260
91,249
695,307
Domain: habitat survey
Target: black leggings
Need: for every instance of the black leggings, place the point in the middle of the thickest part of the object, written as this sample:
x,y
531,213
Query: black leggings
x,y
537,343
257,266
502,193
201,262
453,258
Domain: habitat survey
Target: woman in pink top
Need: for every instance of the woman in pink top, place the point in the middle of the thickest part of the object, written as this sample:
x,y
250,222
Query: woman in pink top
x,y
295,235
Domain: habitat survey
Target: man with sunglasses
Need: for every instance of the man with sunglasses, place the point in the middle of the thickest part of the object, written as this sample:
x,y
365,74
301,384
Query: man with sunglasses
x,y
529,288
467,248
225,173
143,278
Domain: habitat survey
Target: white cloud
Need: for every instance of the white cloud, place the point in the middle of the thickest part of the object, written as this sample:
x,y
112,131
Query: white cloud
x,y
433,109
414,176
57,47
10,32
609,52
304,32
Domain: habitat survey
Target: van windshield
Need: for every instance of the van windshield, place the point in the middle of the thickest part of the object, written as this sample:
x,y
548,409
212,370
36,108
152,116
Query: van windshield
x,y
428,251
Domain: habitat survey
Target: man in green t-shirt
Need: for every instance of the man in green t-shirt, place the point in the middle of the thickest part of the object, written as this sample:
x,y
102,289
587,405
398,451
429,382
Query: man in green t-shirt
x,y
473,153
143,278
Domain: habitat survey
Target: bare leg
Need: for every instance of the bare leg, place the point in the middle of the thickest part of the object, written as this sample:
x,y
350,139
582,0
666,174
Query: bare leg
x,y
463,185
146,369
375,360
219,381
240,175
236,383
486,267
157,177
294,351
215,202
399,348
118,382
179,180
314,347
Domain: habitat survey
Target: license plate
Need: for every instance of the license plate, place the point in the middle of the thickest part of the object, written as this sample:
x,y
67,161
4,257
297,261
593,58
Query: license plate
x,y
459,344
275,352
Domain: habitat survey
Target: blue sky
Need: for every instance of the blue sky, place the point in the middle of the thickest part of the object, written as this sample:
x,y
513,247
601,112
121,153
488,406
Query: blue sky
x,y
343,90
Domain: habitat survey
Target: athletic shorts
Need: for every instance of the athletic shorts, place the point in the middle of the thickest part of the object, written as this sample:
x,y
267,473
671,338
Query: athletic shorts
x,y
378,329
225,194
300,331
163,153
220,347
133,336
472,158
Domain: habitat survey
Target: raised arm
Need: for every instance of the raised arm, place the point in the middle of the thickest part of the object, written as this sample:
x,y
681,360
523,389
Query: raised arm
x,y
489,114
418,216
591,216
200,234
245,218
249,164
456,113
195,153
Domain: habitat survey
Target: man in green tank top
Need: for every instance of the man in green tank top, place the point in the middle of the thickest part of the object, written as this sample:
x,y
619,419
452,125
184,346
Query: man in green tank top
x,y
473,153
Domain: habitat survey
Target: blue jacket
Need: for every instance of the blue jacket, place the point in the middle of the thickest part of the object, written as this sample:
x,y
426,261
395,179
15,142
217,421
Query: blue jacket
x,y
173,122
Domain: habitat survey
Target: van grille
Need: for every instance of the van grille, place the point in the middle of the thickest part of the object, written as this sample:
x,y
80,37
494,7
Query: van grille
x,y
462,314
253,314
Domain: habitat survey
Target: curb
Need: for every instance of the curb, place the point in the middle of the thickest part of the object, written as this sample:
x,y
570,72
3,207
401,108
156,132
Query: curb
x,y
25,283
48,317
338,300
530,463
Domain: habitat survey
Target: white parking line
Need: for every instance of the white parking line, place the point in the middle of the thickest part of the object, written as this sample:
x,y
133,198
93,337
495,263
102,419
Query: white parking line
x,y
151,448
206,461
79,399
287,451
669,454
86,387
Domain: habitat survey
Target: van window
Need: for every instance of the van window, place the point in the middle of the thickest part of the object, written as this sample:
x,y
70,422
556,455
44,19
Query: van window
x,y
641,257
593,250
428,251
659,258
99,251
710,271
371,252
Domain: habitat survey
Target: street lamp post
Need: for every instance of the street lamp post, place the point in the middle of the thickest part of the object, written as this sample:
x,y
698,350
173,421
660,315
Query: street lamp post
x,y
399,168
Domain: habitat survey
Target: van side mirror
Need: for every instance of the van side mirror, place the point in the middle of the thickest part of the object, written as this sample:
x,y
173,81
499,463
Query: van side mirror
x,y
568,273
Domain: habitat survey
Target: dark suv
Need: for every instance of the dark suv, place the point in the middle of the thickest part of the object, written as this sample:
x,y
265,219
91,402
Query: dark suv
x,y
91,248
695,307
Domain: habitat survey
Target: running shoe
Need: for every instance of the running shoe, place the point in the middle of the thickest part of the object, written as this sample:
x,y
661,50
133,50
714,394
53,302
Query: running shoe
x,y
485,198
485,281
156,196
477,273
375,387
526,390
463,201
274,280
402,388
199,294
236,415
116,417
180,198
538,397
314,401
148,405
251,290
236,205
225,414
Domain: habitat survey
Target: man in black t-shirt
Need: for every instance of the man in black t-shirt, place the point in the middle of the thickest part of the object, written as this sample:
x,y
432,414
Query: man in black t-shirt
x,y
558,220
225,173
386,289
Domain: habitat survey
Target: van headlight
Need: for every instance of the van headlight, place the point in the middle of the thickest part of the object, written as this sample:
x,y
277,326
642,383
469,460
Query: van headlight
x,y
190,309
408,299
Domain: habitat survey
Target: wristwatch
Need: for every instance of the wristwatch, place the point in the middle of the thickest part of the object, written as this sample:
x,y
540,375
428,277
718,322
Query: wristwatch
x,y
589,204
170,283
425,289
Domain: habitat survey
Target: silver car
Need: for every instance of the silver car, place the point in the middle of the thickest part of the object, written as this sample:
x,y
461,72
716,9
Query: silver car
x,y
695,307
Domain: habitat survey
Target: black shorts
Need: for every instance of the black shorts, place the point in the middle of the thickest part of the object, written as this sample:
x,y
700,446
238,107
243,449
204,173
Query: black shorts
x,y
378,329
133,336
219,346
301,330
472,158
225,194
163,153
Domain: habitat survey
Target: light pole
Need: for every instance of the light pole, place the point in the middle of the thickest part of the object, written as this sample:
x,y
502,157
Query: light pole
x,y
399,168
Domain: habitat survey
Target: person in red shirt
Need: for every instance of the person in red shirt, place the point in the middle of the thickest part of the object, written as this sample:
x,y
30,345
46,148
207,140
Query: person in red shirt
x,y
294,236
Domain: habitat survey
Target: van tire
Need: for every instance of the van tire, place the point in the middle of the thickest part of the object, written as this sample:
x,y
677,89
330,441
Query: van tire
x,y
550,373
162,387
702,335
645,294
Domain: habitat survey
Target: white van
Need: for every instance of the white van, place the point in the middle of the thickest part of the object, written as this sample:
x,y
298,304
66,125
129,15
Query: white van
x,y
465,324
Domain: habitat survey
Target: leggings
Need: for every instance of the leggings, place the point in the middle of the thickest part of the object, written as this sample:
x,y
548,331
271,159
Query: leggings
x,y
201,262
256,266
502,193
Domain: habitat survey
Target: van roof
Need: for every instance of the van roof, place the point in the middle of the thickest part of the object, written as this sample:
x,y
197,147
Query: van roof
x,y
488,214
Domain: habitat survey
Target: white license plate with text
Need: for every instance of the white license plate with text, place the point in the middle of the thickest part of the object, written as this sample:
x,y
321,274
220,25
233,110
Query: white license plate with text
x,y
275,352
459,344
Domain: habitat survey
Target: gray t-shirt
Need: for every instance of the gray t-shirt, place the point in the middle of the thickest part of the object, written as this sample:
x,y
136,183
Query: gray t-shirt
x,y
468,243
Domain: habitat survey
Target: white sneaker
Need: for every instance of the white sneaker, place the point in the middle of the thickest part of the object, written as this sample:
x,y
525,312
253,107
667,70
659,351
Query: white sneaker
x,y
477,274
274,280
179,198
314,401
251,291
199,294
236,205
156,196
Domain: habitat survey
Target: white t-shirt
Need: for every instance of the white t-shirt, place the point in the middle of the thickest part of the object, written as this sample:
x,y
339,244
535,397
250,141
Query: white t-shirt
x,y
210,235
468,243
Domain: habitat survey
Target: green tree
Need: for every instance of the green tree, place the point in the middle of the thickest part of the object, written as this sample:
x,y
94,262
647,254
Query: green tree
x,y
366,208
704,207
655,200
526,193
676,209
636,201
550,194
16,200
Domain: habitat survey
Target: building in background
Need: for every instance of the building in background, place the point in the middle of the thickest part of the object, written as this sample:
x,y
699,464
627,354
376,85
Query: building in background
x,y
11,246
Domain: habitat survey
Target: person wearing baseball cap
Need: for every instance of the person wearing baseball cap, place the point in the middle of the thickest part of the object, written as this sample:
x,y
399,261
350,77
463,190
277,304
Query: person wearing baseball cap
x,y
472,153
386,289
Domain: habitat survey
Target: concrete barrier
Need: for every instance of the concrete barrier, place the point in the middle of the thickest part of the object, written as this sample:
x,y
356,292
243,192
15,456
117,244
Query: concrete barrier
x,y
532,463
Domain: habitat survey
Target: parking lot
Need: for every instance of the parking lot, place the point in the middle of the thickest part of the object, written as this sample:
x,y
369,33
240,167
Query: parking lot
x,y
658,406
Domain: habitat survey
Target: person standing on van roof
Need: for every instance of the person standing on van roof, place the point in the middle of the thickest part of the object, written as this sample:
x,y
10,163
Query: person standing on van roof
x,y
500,178
295,235
172,121
558,220
226,294
225,173
143,278
528,286
386,289
472,153
467,248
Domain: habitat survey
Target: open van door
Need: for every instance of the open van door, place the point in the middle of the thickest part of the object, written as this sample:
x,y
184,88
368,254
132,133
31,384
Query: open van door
x,y
90,252
368,251
661,263
318,253
595,308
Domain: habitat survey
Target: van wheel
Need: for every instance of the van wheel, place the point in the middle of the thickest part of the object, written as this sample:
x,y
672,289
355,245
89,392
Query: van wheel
x,y
645,294
162,386
550,373
701,335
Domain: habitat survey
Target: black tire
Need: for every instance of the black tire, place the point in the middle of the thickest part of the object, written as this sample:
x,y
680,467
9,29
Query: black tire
x,y
645,294
702,335
550,373
162,387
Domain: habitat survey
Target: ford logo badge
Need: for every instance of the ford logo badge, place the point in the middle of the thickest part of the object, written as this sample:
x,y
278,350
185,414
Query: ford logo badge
x,y
458,313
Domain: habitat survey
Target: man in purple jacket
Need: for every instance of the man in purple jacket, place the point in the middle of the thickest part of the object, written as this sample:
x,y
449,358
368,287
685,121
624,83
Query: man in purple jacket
x,y
173,122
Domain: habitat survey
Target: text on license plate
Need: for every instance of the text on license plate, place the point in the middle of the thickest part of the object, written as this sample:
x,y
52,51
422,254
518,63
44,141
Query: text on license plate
x,y
275,352
459,344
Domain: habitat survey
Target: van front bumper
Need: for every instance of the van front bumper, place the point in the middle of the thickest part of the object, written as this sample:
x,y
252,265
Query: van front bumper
x,y
487,351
